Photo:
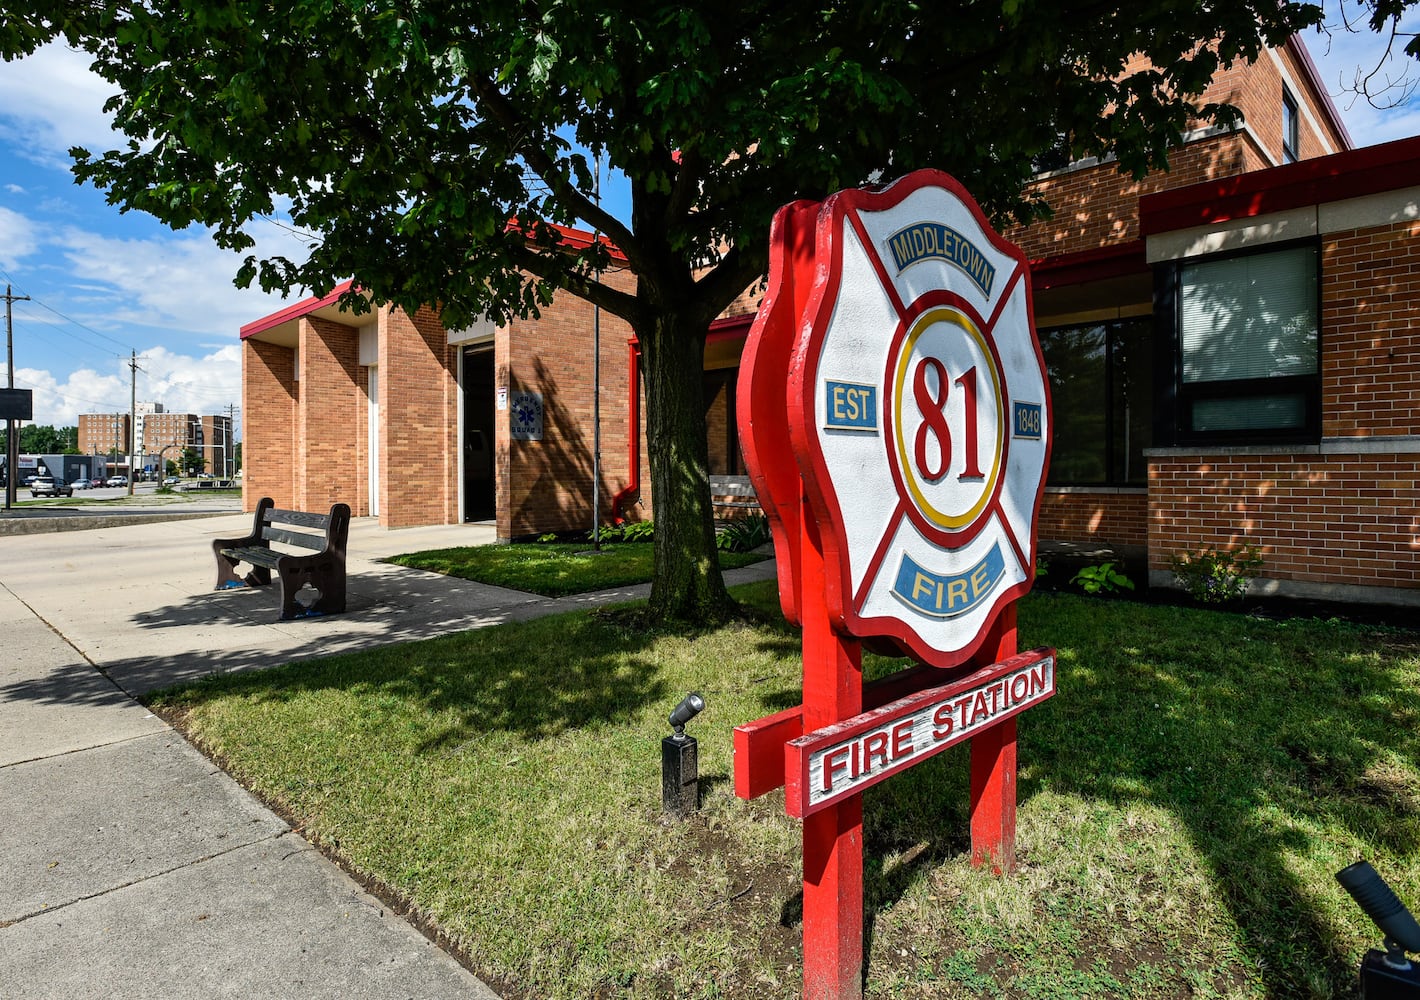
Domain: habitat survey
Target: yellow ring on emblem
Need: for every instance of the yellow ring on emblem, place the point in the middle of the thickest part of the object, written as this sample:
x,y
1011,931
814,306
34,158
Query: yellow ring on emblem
x,y
948,315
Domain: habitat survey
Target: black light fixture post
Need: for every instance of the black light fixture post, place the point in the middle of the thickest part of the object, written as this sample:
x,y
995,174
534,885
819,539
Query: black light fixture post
x,y
680,761
1389,974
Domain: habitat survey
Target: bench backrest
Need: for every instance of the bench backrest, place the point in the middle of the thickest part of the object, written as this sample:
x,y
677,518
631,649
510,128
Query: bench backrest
x,y
325,531
731,486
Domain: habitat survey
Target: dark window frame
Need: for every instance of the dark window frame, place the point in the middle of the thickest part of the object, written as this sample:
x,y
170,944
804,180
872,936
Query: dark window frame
x,y
1112,460
1291,128
1174,398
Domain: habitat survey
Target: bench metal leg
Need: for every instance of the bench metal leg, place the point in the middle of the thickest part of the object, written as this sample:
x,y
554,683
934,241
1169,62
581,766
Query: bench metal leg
x,y
227,571
329,583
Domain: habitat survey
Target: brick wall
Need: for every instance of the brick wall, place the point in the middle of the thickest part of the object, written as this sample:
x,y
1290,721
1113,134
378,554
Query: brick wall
x,y
268,433
1370,321
547,485
1322,519
325,419
1097,206
418,392
1105,517
1346,512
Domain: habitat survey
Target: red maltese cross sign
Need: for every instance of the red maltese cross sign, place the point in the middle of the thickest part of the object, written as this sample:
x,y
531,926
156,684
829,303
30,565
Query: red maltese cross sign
x,y
918,408
895,418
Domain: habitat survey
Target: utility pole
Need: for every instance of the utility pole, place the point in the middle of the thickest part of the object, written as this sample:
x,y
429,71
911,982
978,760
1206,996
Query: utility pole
x,y
597,387
12,437
229,457
132,419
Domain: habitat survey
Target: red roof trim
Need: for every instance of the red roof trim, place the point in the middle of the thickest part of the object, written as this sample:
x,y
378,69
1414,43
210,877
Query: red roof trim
x,y
577,239
1084,266
1352,174
303,308
727,327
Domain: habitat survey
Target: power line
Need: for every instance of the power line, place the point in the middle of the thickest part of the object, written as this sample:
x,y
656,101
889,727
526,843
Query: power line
x,y
68,319
57,328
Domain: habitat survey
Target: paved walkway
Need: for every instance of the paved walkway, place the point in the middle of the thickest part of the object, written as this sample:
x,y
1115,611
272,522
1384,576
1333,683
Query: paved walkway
x,y
130,865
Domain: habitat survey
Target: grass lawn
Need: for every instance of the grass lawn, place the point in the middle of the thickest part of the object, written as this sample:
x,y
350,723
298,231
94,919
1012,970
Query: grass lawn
x,y
553,570
1184,802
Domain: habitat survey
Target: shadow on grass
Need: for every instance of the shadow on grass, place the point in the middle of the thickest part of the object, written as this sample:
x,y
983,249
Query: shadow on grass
x,y
544,678
1285,749
1265,739
1278,746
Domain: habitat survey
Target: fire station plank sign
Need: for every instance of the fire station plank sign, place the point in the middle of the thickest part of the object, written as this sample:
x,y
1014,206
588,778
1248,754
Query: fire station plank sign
x,y
919,411
841,760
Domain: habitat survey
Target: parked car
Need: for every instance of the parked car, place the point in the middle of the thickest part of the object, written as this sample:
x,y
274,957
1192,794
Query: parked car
x,y
117,481
82,484
171,481
48,486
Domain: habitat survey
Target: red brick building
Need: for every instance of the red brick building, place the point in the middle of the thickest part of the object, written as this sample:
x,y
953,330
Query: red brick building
x,y
1234,347
1234,350
415,424
105,433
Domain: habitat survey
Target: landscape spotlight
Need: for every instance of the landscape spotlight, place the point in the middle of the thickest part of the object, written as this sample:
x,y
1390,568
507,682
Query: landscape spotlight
x,y
1387,975
690,706
1376,899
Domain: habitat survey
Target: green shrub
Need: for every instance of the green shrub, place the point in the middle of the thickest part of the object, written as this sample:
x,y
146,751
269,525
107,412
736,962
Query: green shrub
x,y
1102,579
1216,576
629,531
744,534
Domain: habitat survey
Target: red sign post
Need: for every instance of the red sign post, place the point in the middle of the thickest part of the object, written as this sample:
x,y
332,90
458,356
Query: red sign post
x,y
901,472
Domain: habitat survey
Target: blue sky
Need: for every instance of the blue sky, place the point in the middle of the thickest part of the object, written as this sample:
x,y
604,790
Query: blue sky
x,y
104,283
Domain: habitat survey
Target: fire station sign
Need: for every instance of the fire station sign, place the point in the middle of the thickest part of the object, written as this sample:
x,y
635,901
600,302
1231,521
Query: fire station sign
x,y
837,761
919,412
901,470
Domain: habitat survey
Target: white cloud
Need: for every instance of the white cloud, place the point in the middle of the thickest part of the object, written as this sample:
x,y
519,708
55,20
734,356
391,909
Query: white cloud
x,y
53,101
181,283
188,384
18,238
82,391
182,383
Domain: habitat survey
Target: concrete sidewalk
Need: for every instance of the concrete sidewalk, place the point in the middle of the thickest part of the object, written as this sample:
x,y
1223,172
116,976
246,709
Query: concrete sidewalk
x,y
130,865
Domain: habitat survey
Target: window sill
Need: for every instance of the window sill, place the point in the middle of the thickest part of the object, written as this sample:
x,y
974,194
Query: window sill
x,y
1122,490
1399,445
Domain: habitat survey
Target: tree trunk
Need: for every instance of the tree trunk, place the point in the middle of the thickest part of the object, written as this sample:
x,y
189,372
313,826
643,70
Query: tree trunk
x,y
687,585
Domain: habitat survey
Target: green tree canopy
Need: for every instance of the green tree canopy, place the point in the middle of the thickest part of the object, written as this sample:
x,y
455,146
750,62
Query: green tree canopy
x,y
192,461
408,134
44,439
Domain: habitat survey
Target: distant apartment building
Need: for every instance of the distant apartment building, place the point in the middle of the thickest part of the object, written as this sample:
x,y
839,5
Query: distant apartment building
x,y
105,433
142,412
162,436
217,445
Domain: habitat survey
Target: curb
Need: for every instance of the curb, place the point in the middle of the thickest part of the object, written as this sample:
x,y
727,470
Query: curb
x,y
85,522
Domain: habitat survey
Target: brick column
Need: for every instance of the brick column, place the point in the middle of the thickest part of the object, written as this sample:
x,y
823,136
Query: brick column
x,y
269,412
418,421
330,407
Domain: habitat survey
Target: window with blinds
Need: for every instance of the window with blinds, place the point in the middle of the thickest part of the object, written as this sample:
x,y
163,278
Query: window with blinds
x,y
1248,345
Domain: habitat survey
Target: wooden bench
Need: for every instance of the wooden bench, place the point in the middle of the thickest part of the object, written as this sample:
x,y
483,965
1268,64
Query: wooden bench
x,y
732,495
323,567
